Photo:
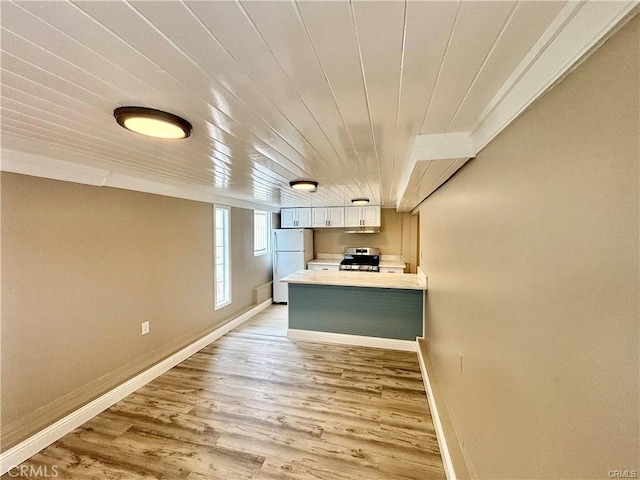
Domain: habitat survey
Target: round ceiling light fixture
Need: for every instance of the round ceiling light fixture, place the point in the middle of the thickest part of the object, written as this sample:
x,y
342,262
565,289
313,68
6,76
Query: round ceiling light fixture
x,y
152,122
360,201
304,185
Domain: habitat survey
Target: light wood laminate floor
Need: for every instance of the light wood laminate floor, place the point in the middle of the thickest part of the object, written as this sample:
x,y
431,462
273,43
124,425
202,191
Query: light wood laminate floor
x,y
256,405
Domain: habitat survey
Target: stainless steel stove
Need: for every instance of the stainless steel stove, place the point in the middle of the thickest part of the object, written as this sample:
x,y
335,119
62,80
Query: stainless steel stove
x,y
361,259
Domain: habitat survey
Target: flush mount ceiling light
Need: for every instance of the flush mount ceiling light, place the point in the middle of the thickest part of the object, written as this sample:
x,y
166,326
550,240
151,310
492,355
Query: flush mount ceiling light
x,y
360,201
304,185
152,123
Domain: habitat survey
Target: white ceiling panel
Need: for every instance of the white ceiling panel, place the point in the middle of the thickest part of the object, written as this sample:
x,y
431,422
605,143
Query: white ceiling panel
x,y
476,30
526,26
333,36
429,26
335,91
380,33
294,54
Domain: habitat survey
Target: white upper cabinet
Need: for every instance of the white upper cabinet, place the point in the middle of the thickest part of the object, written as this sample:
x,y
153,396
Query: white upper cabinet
x,y
318,217
304,217
327,217
353,216
371,216
335,216
368,216
295,218
287,218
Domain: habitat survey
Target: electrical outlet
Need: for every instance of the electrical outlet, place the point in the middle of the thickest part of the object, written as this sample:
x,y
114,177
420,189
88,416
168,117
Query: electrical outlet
x,y
145,327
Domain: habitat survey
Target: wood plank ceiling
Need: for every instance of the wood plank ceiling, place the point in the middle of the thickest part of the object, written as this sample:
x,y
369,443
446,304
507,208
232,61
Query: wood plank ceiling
x,y
335,91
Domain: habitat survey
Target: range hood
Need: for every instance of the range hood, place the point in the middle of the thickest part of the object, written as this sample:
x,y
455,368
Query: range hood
x,y
363,230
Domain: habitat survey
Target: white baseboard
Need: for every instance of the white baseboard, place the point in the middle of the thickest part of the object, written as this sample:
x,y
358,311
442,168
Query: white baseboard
x,y
442,441
32,445
357,340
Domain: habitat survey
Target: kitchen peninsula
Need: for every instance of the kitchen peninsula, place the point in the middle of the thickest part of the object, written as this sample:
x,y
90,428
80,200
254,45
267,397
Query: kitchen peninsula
x,y
377,306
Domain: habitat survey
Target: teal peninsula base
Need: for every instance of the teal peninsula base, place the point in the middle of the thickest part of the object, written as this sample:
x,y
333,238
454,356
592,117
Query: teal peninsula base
x,y
393,313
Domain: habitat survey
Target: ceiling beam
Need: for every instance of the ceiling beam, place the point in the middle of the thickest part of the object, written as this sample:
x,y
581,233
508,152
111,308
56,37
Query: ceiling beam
x,y
421,178
578,30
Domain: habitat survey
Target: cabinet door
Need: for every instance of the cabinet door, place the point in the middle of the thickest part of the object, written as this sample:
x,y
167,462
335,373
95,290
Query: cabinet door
x,y
304,217
352,216
319,217
335,216
371,216
287,218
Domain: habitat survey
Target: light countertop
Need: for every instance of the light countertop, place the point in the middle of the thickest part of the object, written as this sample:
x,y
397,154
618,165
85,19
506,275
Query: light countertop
x,y
386,261
410,281
327,259
392,264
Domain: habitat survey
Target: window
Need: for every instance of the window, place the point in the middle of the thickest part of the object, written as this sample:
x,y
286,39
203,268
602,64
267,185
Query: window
x,y
222,257
260,233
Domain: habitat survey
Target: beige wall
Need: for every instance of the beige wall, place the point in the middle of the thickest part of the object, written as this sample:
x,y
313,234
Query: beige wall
x,y
82,267
532,254
398,236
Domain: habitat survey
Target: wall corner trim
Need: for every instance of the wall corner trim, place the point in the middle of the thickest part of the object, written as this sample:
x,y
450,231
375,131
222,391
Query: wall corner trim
x,y
45,437
437,423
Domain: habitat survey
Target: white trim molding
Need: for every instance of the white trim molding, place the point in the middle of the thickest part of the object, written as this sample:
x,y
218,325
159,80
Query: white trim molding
x,y
14,161
355,340
437,423
32,445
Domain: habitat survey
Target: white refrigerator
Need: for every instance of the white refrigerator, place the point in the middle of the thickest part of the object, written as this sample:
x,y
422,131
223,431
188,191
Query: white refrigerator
x,y
292,249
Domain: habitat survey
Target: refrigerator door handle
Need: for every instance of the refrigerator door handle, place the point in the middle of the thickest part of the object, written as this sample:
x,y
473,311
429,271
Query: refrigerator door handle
x,y
275,262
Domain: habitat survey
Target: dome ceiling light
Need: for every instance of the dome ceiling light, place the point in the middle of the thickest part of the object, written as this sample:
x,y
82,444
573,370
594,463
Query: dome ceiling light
x,y
152,123
304,185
